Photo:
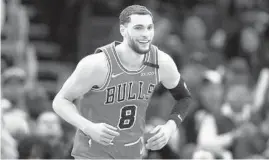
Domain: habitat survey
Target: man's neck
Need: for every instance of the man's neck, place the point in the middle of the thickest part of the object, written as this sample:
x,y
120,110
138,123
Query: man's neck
x,y
129,58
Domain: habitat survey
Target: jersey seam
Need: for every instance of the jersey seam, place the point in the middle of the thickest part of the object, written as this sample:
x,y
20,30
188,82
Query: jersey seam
x,y
156,69
108,76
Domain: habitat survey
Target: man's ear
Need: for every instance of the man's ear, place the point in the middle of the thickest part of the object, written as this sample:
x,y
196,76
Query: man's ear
x,y
123,30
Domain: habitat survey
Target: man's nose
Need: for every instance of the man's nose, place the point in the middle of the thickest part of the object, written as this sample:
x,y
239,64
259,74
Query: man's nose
x,y
145,33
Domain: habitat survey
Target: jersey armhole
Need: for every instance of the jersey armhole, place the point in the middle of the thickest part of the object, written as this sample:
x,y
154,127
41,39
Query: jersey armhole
x,y
157,69
108,76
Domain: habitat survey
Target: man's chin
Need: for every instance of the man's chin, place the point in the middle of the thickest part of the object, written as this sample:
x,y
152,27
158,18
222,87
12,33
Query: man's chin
x,y
141,49
144,51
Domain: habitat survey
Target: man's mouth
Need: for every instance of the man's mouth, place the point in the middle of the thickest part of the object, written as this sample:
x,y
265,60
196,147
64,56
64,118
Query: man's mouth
x,y
144,41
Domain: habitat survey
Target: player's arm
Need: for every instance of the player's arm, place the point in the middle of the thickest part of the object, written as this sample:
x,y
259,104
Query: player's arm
x,y
171,79
80,82
89,72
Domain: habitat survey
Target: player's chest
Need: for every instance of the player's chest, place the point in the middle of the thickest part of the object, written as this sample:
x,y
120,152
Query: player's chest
x,y
130,88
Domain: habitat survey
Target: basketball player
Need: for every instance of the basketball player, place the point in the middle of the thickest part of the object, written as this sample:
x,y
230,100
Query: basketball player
x,y
118,80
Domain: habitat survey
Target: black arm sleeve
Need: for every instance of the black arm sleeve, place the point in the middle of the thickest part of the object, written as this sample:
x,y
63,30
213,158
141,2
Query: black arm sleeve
x,y
183,97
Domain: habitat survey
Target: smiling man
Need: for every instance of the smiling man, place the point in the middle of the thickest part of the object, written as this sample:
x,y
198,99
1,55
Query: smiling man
x,y
118,81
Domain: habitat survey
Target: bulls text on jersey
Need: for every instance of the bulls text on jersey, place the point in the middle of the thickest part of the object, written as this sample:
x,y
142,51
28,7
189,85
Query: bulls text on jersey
x,y
125,92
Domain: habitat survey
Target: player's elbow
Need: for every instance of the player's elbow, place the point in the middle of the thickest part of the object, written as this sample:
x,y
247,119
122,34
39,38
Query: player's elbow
x,y
56,103
60,103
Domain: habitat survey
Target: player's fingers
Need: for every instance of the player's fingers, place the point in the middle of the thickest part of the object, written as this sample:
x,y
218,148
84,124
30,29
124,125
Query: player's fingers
x,y
111,132
155,129
147,146
158,146
102,142
106,141
110,127
155,137
158,141
108,136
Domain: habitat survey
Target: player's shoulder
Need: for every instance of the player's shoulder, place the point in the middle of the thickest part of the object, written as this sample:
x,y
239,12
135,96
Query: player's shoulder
x,y
164,58
93,62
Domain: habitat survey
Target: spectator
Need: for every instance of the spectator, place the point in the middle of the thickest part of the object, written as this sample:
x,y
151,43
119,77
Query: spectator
x,y
238,104
8,145
245,43
13,85
194,39
237,73
203,155
6,62
193,74
251,144
264,56
265,130
37,101
16,123
33,147
49,128
188,151
213,123
3,13
48,125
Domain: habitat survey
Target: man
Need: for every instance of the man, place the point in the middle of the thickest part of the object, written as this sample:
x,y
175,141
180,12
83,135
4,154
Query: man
x,y
119,81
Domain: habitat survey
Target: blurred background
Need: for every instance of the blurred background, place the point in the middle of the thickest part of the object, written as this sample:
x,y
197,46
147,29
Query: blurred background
x,y
221,48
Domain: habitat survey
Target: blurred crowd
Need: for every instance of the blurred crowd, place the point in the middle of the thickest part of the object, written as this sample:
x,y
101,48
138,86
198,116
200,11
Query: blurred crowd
x,y
221,48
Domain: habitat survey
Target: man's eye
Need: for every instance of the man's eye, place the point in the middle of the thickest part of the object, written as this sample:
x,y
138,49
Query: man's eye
x,y
138,28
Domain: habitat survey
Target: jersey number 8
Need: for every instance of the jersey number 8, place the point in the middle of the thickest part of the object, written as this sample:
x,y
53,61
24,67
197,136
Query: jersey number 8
x,y
127,116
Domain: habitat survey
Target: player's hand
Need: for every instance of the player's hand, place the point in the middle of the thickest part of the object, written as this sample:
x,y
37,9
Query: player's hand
x,y
162,134
102,133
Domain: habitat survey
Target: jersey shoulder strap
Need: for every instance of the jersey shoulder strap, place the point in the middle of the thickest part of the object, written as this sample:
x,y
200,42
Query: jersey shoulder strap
x,y
153,60
108,52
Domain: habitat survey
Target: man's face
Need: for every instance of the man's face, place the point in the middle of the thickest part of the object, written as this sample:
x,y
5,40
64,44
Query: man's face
x,y
48,125
139,33
13,88
238,97
212,96
249,40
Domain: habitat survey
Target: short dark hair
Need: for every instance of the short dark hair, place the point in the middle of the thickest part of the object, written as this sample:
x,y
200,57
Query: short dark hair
x,y
133,9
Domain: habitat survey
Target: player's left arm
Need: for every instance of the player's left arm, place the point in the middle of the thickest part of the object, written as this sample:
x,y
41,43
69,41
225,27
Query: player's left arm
x,y
174,82
171,80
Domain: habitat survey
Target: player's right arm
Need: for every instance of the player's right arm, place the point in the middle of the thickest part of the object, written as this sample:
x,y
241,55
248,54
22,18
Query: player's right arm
x,y
80,82
89,72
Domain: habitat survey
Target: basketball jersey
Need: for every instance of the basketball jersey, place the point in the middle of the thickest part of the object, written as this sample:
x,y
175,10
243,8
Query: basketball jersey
x,y
123,99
